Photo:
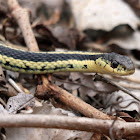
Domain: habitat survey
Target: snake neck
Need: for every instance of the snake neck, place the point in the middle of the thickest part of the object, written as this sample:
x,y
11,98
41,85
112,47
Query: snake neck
x,y
40,63
25,66
73,65
49,62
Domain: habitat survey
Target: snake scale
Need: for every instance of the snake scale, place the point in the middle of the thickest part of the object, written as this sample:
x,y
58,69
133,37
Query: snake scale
x,y
70,61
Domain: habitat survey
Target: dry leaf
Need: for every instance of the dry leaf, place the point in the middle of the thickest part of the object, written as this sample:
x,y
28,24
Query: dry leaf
x,y
129,42
3,110
47,134
103,14
125,104
21,100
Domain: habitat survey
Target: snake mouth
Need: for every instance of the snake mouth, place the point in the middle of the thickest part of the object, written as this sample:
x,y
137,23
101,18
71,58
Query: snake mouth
x,y
128,72
128,69
131,71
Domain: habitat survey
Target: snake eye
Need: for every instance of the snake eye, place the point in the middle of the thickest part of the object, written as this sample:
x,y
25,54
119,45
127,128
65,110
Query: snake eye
x,y
114,64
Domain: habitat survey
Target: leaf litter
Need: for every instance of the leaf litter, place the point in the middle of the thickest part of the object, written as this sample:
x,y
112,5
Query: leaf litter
x,y
105,19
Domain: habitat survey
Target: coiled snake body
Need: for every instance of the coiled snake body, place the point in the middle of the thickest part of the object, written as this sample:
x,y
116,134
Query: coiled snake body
x,y
49,62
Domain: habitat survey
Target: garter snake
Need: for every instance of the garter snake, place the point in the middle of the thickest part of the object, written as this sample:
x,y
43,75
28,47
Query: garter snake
x,y
50,62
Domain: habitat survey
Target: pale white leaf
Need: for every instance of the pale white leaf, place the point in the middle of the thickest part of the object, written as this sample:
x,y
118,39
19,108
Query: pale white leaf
x,y
21,100
129,42
102,14
126,103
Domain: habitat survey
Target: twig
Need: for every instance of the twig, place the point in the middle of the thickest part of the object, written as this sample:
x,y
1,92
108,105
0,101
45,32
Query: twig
x,y
133,80
77,104
12,82
22,17
128,79
50,90
111,129
120,128
116,85
129,86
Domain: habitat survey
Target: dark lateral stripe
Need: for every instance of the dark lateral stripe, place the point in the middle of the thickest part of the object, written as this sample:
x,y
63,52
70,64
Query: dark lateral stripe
x,y
43,57
27,68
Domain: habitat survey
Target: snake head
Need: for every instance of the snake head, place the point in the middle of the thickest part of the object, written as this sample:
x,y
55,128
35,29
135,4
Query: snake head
x,y
114,63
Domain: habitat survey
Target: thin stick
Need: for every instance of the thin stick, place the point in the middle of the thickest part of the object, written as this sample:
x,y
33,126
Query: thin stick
x,y
116,85
77,104
12,82
22,17
68,99
120,128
